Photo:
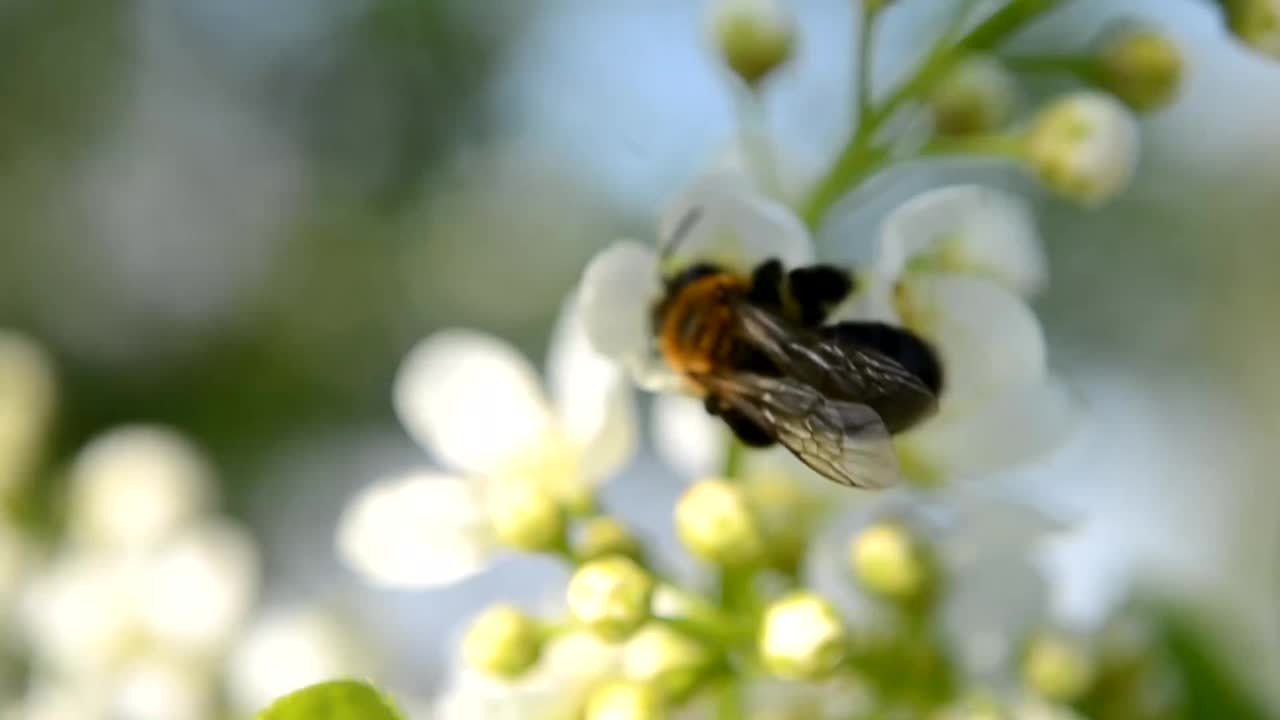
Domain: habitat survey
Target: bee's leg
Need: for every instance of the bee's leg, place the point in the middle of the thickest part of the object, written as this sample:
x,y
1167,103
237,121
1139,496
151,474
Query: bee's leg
x,y
900,344
742,426
817,289
766,284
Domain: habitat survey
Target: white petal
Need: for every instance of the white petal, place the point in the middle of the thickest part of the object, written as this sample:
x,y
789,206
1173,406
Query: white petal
x,y
724,220
420,530
288,649
593,398
135,486
199,588
686,437
987,337
1015,427
989,609
470,399
618,288
966,228
78,617
159,687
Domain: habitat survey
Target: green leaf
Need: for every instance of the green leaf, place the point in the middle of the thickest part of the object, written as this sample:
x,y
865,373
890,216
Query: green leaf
x,y
336,700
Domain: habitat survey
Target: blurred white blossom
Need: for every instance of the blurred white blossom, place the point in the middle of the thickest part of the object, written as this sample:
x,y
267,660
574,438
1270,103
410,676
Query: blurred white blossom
x,y
985,548
287,648
135,486
91,611
477,406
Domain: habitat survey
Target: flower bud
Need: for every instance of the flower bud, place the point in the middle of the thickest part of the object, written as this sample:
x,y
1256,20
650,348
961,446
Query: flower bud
x,y
890,562
603,535
503,641
1140,66
610,596
874,6
802,637
666,659
1256,22
1084,146
624,701
975,97
715,522
526,517
1057,667
754,36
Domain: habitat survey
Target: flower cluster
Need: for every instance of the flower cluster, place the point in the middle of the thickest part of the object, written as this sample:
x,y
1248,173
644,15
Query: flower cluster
x,y
136,601
814,601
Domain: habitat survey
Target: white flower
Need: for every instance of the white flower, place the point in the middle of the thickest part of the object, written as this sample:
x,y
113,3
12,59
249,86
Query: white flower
x,y
288,648
953,265
199,588
1085,147
477,405
984,548
721,219
92,610
27,396
162,688
136,486
78,615
969,229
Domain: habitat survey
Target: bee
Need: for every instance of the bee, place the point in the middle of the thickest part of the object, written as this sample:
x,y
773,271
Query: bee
x,y
759,351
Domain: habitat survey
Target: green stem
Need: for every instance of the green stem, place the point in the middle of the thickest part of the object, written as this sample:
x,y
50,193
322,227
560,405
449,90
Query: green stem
x,y
704,619
729,705
860,156
1007,146
1082,66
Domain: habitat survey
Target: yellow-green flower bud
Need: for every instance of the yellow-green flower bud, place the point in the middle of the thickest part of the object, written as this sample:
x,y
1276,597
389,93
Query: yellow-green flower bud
x,y
889,561
610,596
1085,147
526,517
803,637
1142,67
1256,22
603,535
1057,667
623,700
715,521
786,513
667,660
874,6
754,36
503,641
975,97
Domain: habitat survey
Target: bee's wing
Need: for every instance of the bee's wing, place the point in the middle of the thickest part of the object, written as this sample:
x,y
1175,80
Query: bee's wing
x,y
843,370
845,442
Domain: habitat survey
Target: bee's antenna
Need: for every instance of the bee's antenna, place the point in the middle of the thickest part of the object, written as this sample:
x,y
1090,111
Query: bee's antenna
x,y
681,232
